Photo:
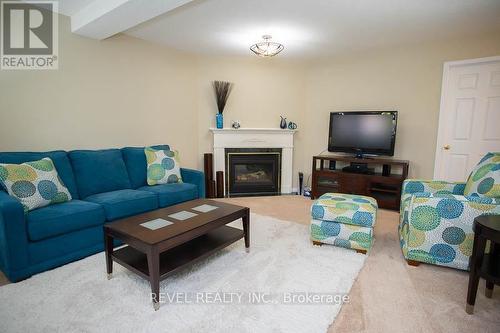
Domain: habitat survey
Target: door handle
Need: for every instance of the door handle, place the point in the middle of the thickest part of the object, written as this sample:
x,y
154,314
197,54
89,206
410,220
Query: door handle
x,y
446,147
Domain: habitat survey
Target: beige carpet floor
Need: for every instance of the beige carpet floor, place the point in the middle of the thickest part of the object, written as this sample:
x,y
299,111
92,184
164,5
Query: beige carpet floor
x,y
389,295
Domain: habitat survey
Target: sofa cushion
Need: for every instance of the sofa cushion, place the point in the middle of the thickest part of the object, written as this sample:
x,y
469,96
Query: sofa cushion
x,y
484,180
171,194
163,166
123,203
98,171
35,184
60,159
135,160
63,218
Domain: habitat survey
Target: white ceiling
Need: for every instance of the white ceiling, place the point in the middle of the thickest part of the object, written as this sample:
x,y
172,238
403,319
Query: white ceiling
x,y
311,28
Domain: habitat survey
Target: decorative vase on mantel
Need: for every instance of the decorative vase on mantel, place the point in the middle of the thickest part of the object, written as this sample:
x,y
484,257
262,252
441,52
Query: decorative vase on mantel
x,y
283,123
222,90
219,120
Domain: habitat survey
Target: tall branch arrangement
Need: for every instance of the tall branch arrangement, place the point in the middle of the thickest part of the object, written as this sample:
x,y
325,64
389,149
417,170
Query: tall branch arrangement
x,y
222,90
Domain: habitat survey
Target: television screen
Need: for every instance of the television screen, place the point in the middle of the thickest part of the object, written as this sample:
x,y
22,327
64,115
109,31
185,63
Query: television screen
x,y
366,132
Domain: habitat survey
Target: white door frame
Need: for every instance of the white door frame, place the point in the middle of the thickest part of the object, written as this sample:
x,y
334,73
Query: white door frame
x,y
440,142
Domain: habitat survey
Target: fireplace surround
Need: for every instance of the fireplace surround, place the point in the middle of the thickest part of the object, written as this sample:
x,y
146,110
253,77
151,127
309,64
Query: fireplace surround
x,y
263,139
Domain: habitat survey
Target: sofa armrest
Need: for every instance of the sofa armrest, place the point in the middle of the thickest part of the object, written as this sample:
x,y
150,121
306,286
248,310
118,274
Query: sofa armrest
x,y
194,177
428,210
411,186
461,198
13,235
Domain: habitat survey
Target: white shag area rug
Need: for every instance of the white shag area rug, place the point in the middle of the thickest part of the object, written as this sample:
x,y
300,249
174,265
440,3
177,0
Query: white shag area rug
x,y
275,283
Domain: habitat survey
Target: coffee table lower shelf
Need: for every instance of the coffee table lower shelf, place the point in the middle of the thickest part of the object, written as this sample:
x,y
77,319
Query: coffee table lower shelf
x,y
176,258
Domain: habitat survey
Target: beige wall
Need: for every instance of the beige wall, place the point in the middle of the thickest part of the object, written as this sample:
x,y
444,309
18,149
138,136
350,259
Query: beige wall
x,y
124,91
112,93
263,90
407,79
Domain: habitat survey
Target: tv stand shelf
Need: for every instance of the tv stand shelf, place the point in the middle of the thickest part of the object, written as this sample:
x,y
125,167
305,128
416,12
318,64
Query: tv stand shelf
x,y
384,182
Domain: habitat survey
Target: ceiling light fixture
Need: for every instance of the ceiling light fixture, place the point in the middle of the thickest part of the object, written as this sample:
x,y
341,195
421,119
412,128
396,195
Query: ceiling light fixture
x,y
267,48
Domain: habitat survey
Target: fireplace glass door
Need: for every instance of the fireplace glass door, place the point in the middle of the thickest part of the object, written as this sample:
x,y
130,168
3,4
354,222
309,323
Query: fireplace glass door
x,y
253,173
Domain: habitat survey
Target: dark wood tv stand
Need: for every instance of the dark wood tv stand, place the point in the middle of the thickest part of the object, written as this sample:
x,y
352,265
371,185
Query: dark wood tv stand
x,y
383,186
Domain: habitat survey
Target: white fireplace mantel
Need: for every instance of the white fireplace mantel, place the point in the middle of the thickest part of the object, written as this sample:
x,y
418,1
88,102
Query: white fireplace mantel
x,y
256,138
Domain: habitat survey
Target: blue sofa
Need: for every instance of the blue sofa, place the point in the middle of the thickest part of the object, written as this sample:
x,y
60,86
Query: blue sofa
x,y
106,185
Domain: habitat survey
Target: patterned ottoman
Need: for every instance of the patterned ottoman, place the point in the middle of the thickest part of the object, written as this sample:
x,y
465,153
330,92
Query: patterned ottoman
x,y
344,220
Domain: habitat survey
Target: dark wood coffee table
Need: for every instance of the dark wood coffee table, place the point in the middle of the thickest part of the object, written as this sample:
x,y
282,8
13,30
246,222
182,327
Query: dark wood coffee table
x,y
155,254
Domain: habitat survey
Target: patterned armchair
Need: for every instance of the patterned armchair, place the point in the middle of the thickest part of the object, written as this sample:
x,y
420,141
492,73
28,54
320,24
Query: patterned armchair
x,y
436,217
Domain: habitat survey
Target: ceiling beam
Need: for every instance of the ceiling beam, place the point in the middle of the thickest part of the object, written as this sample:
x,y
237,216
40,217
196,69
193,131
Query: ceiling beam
x,y
104,18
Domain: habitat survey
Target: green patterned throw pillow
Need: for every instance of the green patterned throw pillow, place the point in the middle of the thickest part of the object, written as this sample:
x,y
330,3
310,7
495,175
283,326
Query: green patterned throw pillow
x,y
484,180
36,184
163,166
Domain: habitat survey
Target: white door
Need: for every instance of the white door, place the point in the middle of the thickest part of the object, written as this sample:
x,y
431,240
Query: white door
x,y
469,119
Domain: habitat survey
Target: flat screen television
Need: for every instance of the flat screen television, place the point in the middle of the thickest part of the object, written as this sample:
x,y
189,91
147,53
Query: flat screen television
x,y
363,132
